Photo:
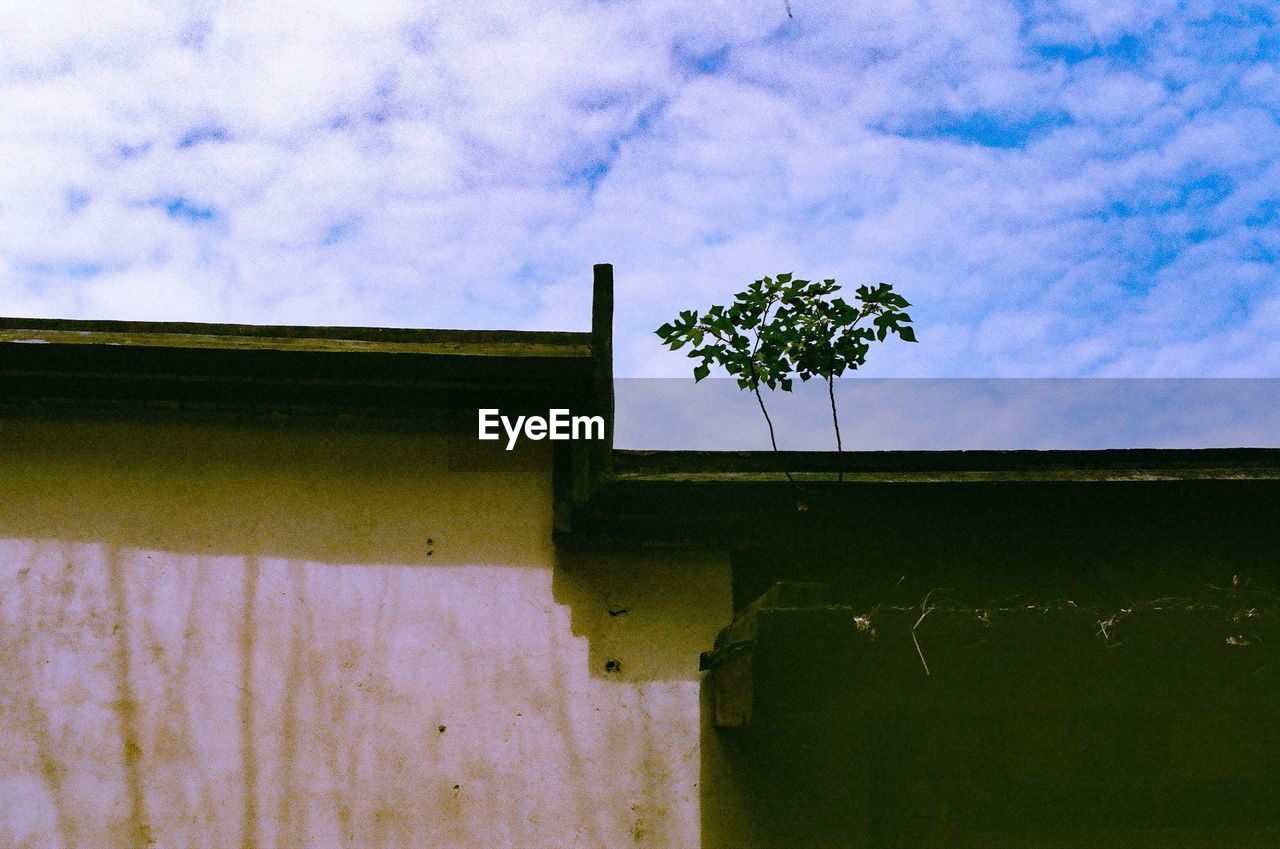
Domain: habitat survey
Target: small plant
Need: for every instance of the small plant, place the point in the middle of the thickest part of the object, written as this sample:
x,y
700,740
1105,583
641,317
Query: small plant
x,y
782,328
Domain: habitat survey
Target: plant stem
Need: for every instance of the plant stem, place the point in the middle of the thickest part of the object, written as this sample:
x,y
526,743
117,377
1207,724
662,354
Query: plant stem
x,y
835,420
755,377
767,420
772,439
755,381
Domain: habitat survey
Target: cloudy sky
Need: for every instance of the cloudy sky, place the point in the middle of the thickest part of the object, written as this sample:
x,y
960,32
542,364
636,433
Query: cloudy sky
x,y
1075,188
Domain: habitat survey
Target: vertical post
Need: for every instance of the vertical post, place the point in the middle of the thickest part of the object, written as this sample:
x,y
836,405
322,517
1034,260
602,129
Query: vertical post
x,y
580,465
602,353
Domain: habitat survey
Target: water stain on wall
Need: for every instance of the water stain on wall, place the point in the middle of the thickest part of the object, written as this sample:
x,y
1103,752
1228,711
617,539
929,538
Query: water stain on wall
x,y
260,684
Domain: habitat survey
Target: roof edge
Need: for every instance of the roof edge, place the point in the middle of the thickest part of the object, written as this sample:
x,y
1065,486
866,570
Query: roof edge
x,y
1120,464
199,335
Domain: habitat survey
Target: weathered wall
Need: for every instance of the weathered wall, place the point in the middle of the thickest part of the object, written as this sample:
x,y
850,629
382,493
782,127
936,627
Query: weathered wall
x,y
271,636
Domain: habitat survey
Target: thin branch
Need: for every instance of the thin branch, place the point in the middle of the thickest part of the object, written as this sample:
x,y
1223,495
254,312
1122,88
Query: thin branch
x,y
919,652
755,379
835,420
831,394
772,439
767,420
764,318
927,611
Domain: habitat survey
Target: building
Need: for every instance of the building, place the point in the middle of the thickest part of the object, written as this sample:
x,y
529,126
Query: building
x,y
264,587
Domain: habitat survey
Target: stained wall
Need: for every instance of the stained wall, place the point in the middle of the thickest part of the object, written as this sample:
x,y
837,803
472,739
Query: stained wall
x,y
275,635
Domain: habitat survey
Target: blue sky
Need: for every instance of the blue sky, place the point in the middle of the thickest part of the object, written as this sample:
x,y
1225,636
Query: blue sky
x,y
954,414
1072,189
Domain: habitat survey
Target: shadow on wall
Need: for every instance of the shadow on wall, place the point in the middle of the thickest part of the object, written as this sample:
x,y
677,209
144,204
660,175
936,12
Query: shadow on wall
x,y
829,778
792,785
1033,665
646,615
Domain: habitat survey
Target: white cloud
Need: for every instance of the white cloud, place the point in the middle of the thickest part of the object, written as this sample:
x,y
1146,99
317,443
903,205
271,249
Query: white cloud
x,y
1065,188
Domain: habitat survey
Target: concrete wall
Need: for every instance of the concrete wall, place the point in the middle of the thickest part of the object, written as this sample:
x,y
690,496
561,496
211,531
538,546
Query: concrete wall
x,y
277,636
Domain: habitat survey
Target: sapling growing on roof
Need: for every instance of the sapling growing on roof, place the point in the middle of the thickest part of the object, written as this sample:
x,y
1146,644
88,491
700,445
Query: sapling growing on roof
x,y
781,328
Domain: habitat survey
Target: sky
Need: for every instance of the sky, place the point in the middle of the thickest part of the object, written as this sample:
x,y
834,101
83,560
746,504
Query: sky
x,y
1078,188
913,414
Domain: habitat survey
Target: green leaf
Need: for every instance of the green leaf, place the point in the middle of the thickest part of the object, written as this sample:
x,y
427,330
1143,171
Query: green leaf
x,y
783,328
